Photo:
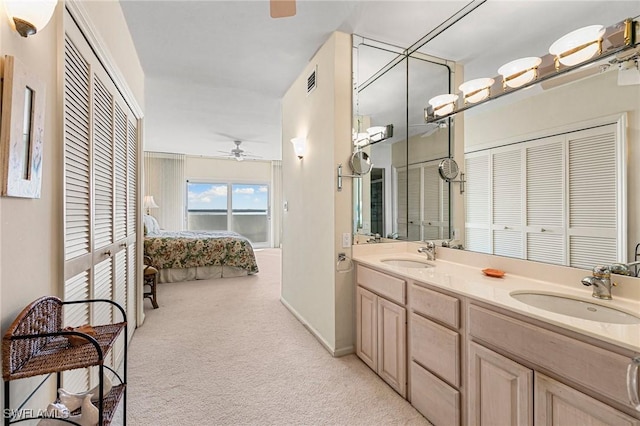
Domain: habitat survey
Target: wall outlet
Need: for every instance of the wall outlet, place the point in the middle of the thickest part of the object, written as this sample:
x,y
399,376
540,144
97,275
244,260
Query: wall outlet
x,y
346,239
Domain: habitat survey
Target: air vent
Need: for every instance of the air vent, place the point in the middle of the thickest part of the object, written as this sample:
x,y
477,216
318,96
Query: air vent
x,y
312,80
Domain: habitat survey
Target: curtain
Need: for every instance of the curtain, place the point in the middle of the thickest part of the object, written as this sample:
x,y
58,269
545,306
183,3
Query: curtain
x,y
164,179
276,202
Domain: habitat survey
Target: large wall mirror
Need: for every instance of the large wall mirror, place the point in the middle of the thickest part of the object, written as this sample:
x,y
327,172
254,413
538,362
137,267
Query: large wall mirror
x,y
403,196
553,171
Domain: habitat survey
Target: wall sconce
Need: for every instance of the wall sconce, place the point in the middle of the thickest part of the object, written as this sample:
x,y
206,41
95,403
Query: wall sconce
x,y
149,203
299,146
443,104
578,46
519,72
476,90
29,16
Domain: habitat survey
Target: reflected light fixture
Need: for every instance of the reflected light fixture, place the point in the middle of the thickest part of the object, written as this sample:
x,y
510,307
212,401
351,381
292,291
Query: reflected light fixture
x,y
476,90
519,72
299,146
361,139
380,133
149,203
443,104
578,46
373,134
28,17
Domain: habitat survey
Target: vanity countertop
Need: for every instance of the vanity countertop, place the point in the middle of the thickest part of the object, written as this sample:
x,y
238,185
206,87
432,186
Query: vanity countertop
x,y
469,281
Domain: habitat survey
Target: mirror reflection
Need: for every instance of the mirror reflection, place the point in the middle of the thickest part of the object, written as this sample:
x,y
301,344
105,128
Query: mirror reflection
x,y
360,163
552,171
404,198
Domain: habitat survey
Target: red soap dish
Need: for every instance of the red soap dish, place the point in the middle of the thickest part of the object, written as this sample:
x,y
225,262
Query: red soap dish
x,y
496,273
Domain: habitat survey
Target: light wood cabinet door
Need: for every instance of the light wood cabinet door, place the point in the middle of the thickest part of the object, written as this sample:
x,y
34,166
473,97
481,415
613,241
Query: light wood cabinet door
x,y
367,327
392,344
559,405
500,390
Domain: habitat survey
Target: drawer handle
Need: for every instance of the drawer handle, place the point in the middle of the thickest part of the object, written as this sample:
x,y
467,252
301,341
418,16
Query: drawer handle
x,y
632,382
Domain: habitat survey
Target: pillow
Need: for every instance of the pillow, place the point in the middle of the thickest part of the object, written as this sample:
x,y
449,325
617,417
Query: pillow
x,y
151,224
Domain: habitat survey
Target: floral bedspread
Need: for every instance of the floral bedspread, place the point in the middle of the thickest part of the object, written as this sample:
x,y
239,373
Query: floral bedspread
x,y
187,249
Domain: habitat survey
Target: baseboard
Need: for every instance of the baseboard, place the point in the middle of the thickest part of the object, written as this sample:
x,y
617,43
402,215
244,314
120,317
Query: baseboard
x,y
312,330
344,351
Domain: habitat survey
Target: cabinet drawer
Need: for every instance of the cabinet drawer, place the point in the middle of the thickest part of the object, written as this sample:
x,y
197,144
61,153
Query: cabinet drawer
x,y
437,348
384,285
434,399
602,371
435,305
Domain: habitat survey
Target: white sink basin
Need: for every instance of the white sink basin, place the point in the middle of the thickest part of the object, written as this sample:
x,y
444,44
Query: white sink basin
x,y
575,308
407,263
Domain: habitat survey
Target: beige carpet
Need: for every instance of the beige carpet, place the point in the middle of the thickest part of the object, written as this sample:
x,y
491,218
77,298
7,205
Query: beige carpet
x,y
227,352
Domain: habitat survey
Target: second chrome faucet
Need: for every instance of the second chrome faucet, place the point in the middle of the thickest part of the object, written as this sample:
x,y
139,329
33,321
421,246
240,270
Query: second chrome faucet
x,y
600,278
429,250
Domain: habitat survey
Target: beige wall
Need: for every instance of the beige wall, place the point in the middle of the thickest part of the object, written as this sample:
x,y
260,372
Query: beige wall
x,y
30,229
208,168
317,213
580,101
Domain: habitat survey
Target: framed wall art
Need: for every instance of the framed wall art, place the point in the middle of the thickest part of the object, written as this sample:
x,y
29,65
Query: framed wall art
x,y
21,130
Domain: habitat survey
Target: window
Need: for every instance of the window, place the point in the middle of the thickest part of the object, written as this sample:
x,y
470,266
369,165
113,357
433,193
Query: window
x,y
238,207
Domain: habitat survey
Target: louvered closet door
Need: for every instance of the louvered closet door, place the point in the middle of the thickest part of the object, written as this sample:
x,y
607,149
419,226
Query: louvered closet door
x,y
414,203
477,198
507,202
401,202
592,197
77,209
132,197
101,160
545,200
432,210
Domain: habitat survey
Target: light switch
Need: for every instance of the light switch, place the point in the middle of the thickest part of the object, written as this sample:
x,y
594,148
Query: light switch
x,y
346,239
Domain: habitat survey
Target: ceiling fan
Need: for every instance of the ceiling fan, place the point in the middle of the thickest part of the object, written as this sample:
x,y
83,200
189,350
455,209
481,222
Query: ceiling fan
x,y
282,8
238,153
430,128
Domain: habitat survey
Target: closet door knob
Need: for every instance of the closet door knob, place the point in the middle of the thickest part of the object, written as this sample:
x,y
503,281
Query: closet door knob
x,y
107,253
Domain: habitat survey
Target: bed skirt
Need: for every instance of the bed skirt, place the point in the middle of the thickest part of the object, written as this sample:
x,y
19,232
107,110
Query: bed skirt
x,y
172,275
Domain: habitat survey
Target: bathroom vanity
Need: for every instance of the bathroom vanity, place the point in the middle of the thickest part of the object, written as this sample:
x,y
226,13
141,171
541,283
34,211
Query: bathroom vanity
x,y
463,350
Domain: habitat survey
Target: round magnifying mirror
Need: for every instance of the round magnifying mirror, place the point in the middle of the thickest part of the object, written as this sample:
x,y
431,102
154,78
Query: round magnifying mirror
x,y
360,163
448,169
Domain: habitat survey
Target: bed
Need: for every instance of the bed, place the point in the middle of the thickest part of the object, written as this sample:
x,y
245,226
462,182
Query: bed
x,y
197,255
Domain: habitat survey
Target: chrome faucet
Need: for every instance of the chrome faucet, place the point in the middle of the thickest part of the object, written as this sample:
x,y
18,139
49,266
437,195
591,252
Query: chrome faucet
x,y
429,250
601,282
601,278
623,268
376,238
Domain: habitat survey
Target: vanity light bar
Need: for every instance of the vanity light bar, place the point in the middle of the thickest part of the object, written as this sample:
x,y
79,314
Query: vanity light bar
x,y
614,39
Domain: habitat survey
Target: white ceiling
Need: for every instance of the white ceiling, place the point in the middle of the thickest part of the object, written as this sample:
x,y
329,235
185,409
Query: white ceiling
x,y
217,70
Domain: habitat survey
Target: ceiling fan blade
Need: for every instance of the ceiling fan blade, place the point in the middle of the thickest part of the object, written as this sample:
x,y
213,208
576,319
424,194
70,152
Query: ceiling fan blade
x,y
282,8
